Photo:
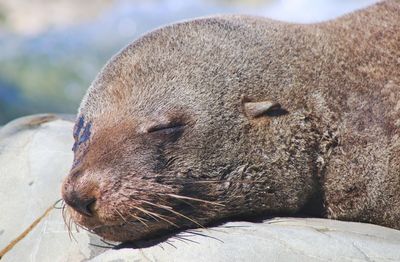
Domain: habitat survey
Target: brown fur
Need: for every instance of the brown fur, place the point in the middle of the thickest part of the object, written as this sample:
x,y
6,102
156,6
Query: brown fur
x,y
335,139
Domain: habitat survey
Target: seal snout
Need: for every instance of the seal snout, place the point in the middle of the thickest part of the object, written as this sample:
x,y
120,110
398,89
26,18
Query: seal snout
x,y
80,201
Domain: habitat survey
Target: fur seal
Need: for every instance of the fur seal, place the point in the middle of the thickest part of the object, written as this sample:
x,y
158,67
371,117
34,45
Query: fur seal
x,y
234,116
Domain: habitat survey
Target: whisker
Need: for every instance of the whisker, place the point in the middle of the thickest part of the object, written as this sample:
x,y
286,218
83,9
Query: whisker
x,y
57,202
128,222
67,221
108,243
184,201
70,233
85,228
63,211
141,220
170,209
185,239
152,214
66,224
203,235
100,246
122,217
76,227
155,216
194,199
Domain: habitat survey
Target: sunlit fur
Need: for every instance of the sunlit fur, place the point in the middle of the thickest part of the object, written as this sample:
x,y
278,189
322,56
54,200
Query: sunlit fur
x,y
338,145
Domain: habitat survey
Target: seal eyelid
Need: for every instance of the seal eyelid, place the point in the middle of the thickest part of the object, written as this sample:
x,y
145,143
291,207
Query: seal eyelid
x,y
166,127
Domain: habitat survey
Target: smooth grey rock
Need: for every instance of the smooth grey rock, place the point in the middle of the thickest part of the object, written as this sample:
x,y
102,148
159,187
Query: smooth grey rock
x,y
35,156
281,239
50,241
33,160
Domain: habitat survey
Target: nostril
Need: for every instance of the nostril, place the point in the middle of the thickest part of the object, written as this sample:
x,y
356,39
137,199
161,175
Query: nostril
x,y
85,207
81,204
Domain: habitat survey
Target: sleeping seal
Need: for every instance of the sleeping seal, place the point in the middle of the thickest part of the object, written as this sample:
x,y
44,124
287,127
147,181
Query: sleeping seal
x,y
233,116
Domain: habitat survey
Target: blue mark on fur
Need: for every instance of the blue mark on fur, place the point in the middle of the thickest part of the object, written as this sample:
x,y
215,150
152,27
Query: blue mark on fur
x,y
76,162
75,146
86,134
78,127
79,135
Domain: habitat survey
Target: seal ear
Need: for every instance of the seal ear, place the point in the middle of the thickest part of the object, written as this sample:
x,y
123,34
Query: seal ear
x,y
262,108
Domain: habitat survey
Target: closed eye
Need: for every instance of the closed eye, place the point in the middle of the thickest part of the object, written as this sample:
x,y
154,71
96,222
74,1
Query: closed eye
x,y
166,128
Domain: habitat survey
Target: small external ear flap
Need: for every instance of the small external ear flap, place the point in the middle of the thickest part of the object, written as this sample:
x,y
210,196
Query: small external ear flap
x,y
262,108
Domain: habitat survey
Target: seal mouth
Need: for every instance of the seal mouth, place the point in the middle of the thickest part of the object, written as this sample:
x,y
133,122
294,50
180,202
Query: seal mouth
x,y
92,220
120,230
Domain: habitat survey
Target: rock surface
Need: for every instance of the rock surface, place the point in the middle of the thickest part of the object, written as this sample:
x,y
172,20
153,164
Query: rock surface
x,y
280,239
35,156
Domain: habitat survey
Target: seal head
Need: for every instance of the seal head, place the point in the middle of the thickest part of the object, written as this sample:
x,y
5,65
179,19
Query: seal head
x,y
170,136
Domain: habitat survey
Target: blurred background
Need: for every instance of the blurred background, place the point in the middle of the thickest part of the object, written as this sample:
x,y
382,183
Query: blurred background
x,y
50,50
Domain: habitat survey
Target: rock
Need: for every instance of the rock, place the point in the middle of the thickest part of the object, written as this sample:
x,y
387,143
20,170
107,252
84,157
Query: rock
x,y
281,239
35,156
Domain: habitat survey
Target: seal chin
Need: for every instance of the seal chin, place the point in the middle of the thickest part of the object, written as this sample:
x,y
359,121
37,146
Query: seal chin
x,y
118,233
131,231
122,232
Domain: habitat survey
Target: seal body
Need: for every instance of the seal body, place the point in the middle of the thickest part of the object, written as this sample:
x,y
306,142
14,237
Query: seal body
x,y
232,116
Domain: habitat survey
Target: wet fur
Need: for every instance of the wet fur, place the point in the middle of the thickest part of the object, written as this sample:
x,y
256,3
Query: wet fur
x,y
335,145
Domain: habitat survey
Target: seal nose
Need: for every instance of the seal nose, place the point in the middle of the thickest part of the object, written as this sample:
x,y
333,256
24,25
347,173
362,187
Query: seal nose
x,y
79,203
